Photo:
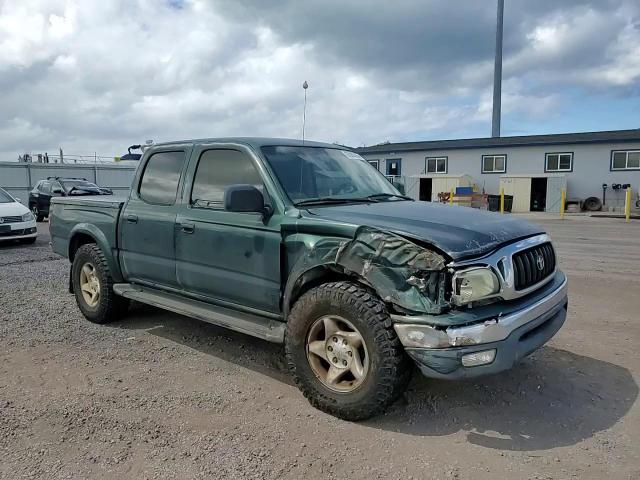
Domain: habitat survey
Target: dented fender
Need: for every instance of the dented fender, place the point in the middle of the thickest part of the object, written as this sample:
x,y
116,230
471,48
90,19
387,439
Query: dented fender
x,y
408,276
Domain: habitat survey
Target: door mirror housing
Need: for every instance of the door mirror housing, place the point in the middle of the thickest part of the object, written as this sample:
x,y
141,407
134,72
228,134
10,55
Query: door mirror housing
x,y
244,198
57,191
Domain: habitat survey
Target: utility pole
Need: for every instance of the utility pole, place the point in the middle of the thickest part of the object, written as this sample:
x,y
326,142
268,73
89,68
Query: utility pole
x,y
497,74
305,85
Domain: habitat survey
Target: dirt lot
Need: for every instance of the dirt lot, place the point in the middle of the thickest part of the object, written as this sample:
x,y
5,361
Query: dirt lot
x,y
163,396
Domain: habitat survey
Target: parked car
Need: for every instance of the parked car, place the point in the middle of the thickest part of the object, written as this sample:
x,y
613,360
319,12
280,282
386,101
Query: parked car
x,y
308,245
16,221
41,195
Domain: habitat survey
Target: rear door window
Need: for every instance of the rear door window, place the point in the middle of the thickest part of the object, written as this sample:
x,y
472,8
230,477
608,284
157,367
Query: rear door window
x,y
161,177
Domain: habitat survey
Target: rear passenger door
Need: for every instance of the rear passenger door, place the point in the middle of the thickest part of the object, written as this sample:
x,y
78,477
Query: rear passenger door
x,y
229,258
147,237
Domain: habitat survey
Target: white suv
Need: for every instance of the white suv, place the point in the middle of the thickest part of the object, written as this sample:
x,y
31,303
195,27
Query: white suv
x,y
16,221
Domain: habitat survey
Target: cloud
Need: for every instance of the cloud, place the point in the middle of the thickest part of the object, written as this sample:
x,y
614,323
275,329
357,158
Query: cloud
x,y
97,76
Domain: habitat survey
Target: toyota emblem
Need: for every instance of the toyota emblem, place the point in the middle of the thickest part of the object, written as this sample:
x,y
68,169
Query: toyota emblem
x,y
540,262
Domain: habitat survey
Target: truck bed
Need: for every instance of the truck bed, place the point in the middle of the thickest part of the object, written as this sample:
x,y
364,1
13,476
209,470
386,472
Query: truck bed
x,y
94,215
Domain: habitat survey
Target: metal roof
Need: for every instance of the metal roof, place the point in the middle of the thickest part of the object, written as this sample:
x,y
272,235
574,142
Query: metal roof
x,y
519,141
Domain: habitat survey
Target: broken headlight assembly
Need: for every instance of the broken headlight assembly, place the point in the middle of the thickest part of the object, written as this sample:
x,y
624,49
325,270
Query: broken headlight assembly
x,y
474,284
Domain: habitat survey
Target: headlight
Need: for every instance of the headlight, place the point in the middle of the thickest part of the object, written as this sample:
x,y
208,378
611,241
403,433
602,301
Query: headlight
x,y
474,284
27,217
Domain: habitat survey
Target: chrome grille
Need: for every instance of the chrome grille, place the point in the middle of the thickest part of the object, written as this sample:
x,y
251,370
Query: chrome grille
x,y
12,219
533,265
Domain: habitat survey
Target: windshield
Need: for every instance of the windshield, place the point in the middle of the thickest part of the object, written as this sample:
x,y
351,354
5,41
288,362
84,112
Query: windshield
x,y
77,184
308,173
5,197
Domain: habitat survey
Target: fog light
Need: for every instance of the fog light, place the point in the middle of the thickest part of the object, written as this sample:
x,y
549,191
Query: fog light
x,y
478,358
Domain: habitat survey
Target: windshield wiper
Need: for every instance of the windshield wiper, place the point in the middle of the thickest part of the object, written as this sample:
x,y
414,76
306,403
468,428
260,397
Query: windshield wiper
x,y
332,201
388,195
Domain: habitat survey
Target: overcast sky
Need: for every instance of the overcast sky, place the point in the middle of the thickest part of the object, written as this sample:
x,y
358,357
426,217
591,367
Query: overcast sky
x,y
100,75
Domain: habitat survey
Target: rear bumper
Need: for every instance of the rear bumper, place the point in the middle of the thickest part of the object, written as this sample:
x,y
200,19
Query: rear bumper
x,y
511,336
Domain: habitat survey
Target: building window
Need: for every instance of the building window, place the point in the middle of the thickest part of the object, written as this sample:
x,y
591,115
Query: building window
x,y
625,160
436,164
494,163
394,167
375,163
558,162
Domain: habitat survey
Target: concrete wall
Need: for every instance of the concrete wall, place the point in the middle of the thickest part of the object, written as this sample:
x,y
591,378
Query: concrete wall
x,y
19,178
591,166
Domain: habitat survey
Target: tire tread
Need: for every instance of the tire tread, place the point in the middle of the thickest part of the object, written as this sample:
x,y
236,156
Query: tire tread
x,y
395,370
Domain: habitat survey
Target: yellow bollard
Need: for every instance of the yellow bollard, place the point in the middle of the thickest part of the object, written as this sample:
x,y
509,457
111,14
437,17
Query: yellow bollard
x,y
563,200
502,200
627,205
451,197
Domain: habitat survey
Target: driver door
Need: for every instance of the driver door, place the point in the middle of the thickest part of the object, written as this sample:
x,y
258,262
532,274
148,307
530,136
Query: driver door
x,y
230,258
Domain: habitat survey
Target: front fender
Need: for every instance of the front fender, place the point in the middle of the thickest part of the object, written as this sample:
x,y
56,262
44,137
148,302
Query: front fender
x,y
403,274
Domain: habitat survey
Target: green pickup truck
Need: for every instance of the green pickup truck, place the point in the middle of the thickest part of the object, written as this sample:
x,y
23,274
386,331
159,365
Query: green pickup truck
x,y
306,244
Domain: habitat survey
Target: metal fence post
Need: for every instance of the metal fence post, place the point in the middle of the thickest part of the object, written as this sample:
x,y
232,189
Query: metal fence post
x,y
502,200
451,197
627,205
563,200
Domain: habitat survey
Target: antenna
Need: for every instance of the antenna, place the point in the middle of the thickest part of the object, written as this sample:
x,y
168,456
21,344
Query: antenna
x,y
305,85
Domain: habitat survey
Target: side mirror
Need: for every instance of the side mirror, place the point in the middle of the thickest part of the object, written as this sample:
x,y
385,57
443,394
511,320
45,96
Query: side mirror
x,y
57,191
243,198
18,200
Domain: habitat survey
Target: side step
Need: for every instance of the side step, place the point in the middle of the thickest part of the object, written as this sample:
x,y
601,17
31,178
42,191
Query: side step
x,y
261,327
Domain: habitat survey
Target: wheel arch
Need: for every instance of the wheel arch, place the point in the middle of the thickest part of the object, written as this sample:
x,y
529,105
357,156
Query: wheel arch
x,y
313,277
85,233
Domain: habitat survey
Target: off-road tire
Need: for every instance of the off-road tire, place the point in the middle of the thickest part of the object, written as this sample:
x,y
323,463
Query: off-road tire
x,y
110,306
389,369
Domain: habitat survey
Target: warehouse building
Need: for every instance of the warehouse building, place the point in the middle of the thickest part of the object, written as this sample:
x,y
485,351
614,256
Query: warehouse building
x,y
534,168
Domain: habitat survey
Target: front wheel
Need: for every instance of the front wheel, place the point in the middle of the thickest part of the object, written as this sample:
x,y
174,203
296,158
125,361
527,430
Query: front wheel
x,y
344,353
93,286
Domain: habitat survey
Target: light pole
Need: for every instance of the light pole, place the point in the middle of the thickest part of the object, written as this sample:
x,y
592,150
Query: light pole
x,y
305,85
497,74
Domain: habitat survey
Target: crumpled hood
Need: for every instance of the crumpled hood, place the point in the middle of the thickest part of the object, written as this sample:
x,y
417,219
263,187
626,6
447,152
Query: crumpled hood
x,y
460,232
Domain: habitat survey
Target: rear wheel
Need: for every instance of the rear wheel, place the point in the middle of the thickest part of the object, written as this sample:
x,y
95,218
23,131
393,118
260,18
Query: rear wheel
x,y
36,212
93,286
344,353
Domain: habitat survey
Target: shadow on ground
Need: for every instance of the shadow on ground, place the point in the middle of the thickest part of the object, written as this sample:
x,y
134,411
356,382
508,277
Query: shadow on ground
x,y
553,398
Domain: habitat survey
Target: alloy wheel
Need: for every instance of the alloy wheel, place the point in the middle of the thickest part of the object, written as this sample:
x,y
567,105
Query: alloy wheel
x,y
337,353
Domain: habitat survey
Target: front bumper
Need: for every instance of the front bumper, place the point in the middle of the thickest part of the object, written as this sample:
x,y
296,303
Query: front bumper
x,y
439,352
19,230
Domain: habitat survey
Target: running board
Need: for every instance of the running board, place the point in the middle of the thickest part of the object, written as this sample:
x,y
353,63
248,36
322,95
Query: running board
x,y
258,326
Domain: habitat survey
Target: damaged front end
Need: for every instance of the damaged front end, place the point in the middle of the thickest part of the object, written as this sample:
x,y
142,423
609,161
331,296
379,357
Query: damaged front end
x,y
410,278
405,275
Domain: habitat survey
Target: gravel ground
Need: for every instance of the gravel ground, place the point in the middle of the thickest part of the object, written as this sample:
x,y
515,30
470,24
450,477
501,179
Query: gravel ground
x,y
159,395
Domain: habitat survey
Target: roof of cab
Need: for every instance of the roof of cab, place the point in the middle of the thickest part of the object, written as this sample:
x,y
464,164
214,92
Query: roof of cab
x,y
256,142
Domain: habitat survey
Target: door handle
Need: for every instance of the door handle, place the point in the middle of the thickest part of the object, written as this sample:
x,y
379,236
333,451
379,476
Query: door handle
x,y
132,218
188,227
